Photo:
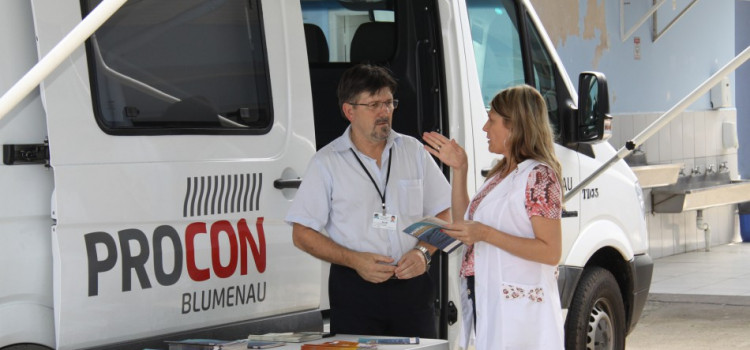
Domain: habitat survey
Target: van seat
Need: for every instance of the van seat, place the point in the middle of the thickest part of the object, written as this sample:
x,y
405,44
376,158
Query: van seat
x,y
374,42
317,45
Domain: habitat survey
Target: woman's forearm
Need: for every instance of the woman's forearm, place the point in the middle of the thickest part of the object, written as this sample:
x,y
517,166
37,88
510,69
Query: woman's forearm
x,y
459,194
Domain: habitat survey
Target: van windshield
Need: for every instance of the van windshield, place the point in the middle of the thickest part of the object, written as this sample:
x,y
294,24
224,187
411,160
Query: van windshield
x,y
499,54
190,66
497,46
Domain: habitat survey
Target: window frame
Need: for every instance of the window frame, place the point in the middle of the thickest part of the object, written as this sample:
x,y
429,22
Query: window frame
x,y
264,81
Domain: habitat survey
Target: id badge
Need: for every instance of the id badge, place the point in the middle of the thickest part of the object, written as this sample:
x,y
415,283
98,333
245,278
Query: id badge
x,y
386,221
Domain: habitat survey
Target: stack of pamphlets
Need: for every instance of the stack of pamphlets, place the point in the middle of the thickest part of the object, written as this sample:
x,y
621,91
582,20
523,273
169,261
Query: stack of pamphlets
x,y
288,337
430,229
264,344
339,345
206,344
390,341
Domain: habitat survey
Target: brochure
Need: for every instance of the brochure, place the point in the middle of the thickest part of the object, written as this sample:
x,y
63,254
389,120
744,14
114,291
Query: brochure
x,y
205,344
430,229
339,345
390,341
262,344
289,337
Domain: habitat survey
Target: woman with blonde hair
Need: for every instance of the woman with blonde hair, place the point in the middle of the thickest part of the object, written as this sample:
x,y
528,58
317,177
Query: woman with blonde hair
x,y
511,227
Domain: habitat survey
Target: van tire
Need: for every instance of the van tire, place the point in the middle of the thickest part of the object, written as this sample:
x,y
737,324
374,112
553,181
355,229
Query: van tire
x,y
596,316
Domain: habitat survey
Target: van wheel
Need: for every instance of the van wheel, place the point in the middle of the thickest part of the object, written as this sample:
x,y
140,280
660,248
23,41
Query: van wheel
x,y
596,316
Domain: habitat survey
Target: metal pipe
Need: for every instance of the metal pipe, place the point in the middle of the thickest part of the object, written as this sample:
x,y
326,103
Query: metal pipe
x,y
60,52
663,120
624,36
705,227
656,34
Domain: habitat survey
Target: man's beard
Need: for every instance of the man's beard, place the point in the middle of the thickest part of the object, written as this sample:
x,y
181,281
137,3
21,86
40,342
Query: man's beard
x,y
381,131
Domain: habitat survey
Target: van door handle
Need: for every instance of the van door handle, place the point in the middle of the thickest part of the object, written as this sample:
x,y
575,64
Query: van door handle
x,y
569,214
284,183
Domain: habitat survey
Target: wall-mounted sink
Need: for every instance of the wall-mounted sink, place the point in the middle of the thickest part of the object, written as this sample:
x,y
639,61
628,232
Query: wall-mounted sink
x,y
657,175
699,192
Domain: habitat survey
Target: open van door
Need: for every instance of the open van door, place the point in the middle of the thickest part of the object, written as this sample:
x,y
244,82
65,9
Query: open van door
x,y
510,50
166,135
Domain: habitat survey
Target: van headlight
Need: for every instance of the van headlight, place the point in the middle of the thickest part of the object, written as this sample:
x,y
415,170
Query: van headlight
x,y
639,195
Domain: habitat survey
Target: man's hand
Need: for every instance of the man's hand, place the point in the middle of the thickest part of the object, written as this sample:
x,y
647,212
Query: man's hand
x,y
412,264
373,267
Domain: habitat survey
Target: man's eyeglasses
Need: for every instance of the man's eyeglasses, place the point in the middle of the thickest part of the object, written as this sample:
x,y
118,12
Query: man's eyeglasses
x,y
377,105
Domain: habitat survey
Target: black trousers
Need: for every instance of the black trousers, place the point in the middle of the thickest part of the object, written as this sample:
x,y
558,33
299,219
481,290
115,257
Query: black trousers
x,y
472,296
403,308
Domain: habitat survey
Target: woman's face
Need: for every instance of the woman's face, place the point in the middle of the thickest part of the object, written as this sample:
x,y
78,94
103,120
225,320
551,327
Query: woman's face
x,y
497,133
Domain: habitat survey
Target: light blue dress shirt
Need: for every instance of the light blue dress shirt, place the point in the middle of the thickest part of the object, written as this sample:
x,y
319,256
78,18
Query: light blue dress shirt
x,y
337,196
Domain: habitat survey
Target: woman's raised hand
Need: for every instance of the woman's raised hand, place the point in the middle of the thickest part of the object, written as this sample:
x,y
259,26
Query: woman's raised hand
x,y
448,151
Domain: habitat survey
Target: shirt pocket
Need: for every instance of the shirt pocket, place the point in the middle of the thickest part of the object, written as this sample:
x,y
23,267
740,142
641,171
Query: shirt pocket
x,y
524,310
411,197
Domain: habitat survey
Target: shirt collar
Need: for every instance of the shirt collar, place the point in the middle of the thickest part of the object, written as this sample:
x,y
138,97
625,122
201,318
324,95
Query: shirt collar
x,y
344,142
526,163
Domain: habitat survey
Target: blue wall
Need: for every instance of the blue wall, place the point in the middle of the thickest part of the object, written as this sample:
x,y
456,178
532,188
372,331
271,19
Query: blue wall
x,y
695,47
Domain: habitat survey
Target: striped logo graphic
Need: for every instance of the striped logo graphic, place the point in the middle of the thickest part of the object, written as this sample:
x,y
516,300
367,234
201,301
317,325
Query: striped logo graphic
x,y
222,194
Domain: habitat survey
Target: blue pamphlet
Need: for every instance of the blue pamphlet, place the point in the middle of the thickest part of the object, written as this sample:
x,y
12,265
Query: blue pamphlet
x,y
430,230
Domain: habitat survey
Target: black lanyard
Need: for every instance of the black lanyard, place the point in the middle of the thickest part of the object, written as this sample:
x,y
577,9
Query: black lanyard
x,y
387,176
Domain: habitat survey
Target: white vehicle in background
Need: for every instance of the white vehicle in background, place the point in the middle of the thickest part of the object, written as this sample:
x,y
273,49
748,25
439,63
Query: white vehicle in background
x,y
145,183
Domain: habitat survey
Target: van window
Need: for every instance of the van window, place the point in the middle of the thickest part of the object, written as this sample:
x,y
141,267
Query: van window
x,y
544,73
331,25
497,46
341,33
174,67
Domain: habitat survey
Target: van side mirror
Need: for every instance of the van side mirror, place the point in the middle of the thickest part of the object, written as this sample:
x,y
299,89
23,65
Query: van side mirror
x,y
593,120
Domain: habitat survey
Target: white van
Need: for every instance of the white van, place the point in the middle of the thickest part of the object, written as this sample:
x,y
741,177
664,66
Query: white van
x,y
144,184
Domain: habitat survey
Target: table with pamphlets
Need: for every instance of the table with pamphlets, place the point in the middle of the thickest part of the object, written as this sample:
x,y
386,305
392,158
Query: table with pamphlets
x,y
383,343
424,343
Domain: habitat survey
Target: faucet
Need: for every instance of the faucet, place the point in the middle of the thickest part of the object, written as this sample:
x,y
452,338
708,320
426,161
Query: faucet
x,y
696,170
710,169
705,227
723,167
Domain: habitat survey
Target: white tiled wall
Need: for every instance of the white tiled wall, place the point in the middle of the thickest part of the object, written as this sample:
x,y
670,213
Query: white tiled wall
x,y
694,138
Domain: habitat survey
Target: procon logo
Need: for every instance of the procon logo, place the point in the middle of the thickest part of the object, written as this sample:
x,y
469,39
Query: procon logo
x,y
149,257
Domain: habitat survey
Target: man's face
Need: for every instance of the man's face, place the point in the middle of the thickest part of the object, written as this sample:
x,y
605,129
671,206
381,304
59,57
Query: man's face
x,y
371,115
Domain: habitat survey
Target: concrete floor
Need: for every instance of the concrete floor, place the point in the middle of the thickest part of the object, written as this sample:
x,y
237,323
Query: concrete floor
x,y
698,300
725,270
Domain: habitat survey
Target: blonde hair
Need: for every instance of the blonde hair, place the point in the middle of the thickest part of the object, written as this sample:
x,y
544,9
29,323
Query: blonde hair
x,y
524,113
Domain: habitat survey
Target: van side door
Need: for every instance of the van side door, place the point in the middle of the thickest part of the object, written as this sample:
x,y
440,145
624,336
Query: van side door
x,y
167,132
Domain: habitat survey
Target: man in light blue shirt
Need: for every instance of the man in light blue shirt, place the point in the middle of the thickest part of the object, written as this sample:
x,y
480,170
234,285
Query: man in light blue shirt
x,y
363,189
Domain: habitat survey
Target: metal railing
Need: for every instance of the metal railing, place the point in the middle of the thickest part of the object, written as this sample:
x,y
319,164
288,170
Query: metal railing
x,y
664,119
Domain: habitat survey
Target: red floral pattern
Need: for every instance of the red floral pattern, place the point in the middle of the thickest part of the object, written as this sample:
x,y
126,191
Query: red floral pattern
x,y
516,292
543,194
543,198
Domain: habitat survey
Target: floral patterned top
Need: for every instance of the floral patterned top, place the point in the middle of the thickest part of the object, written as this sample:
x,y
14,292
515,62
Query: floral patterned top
x,y
543,198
